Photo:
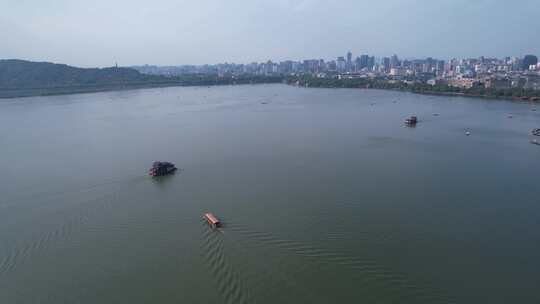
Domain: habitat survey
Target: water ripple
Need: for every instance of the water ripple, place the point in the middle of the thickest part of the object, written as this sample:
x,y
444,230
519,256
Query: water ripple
x,y
230,286
371,276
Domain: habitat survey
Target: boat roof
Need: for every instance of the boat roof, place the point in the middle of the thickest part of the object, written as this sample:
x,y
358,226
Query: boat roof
x,y
212,218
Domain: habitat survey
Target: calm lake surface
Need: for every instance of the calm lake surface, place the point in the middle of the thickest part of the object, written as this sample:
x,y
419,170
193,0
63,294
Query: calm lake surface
x,y
325,195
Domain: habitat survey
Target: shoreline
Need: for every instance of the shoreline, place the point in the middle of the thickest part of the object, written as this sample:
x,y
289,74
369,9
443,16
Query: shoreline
x,y
12,93
457,94
422,90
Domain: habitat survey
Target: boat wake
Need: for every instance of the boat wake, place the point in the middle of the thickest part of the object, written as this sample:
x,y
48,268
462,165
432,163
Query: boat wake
x,y
372,280
229,284
77,216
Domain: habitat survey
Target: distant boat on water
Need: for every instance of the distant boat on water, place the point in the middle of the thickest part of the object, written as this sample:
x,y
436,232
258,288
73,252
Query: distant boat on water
x,y
161,169
411,121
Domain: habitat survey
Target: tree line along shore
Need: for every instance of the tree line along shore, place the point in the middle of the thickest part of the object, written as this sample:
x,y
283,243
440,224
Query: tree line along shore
x,y
417,87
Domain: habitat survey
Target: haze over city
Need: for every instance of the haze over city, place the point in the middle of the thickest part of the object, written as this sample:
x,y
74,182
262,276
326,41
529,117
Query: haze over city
x,y
166,32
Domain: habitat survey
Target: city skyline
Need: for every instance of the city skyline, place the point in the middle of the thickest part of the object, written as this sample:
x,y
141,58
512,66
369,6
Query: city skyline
x,y
168,32
354,56
491,73
350,63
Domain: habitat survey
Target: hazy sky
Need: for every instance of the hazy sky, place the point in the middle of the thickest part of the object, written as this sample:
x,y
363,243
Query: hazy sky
x,y
171,32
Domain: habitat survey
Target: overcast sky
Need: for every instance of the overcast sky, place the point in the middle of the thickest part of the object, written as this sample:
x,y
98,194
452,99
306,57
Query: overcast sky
x,y
172,32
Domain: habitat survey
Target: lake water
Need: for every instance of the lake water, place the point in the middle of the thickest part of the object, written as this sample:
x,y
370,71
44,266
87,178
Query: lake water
x,y
326,198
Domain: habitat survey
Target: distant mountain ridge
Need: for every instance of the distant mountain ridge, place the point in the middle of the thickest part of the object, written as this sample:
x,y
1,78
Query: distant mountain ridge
x,y
20,74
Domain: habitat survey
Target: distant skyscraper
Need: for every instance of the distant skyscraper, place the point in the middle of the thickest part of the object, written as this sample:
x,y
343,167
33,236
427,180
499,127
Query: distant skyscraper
x,y
529,60
332,66
394,61
430,63
386,64
348,64
364,61
341,64
357,64
371,63
439,67
285,66
311,66
320,65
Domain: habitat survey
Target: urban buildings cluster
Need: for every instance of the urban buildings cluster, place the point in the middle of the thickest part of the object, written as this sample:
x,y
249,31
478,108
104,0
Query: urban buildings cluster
x,y
500,73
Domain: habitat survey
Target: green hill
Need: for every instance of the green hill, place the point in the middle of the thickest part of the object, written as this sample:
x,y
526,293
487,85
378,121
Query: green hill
x,y
19,74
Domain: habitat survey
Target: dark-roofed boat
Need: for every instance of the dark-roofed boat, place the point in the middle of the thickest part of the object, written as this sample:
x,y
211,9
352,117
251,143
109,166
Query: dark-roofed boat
x,y
411,121
161,169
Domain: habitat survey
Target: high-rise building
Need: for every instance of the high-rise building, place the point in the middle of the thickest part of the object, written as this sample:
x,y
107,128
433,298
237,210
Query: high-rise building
x,y
332,66
286,67
371,62
429,65
386,64
394,61
322,65
269,67
341,64
439,67
529,60
349,61
298,67
357,64
311,66
364,61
